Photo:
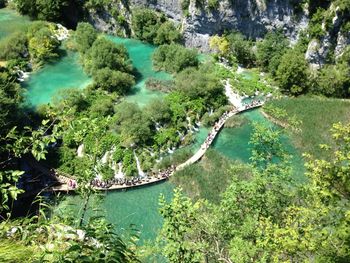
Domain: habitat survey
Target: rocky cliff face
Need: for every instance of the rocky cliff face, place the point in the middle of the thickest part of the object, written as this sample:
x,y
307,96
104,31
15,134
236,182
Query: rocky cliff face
x,y
333,43
251,17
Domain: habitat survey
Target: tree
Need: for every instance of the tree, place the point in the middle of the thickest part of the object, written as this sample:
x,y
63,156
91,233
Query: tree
x,y
267,146
174,58
316,227
158,111
50,10
333,80
132,124
105,54
242,49
292,72
220,44
204,86
14,47
167,34
113,81
43,44
145,24
10,100
180,218
84,36
270,50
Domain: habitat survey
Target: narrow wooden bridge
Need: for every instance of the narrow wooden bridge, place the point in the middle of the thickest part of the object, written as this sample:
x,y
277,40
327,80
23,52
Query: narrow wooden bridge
x,y
214,132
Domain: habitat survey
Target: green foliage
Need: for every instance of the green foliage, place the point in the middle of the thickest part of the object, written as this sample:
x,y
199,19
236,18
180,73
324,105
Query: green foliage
x,y
14,46
332,80
153,27
184,6
313,112
85,35
204,89
179,217
167,34
42,43
292,72
281,115
10,98
60,239
209,178
50,10
213,4
106,54
249,82
113,81
270,50
317,226
241,49
174,58
315,28
266,146
133,127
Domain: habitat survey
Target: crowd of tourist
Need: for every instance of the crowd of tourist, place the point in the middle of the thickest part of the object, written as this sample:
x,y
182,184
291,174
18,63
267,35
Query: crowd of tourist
x,y
252,104
72,184
134,181
215,130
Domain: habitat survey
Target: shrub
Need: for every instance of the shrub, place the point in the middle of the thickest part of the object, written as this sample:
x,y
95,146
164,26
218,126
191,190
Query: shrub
x,y
174,58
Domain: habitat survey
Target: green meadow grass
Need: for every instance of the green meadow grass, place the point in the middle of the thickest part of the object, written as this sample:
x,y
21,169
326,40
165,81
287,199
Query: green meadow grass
x,y
210,177
317,116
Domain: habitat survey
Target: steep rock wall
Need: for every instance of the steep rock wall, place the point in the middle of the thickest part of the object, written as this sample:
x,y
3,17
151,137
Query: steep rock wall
x,y
251,17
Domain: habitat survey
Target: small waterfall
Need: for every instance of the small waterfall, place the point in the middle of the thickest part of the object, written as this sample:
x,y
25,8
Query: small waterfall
x,y
105,158
118,173
80,151
141,173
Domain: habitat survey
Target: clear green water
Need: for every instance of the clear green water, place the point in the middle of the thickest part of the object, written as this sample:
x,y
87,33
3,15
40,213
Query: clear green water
x,y
45,84
141,56
234,142
137,207
11,21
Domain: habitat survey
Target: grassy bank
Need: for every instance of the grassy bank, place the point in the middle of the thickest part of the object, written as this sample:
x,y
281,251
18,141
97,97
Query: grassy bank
x,y
210,177
317,115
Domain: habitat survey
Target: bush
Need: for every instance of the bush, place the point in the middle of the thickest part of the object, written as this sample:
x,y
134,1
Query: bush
x,y
333,80
167,34
50,10
14,47
204,87
174,58
43,45
85,36
292,73
106,54
113,81
270,51
242,49
153,27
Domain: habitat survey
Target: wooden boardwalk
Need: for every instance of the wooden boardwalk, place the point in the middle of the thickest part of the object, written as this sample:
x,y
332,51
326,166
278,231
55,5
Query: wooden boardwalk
x,y
214,132
65,181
